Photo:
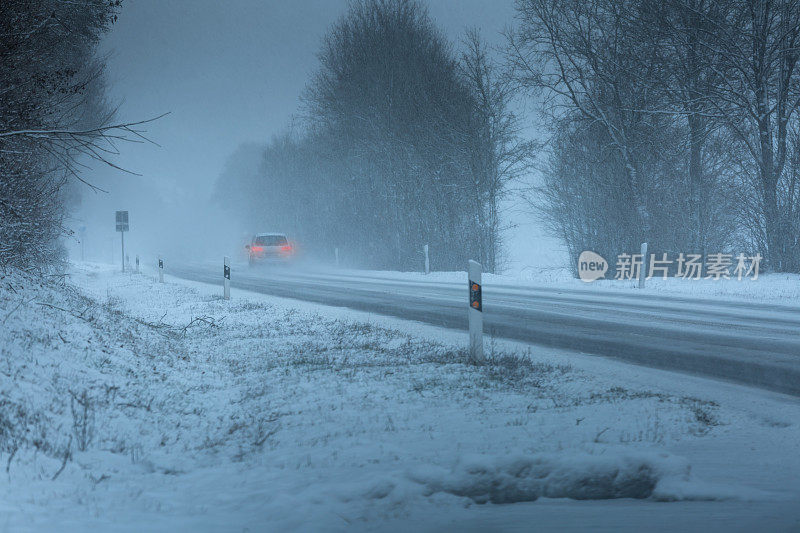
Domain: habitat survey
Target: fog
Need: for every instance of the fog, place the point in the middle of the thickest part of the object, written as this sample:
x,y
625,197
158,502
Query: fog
x,y
229,74
488,264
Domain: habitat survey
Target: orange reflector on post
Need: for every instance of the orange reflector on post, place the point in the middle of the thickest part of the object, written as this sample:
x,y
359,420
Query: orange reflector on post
x,y
475,299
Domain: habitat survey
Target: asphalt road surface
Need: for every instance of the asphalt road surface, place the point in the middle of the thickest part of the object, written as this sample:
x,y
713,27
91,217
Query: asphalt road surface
x,y
751,343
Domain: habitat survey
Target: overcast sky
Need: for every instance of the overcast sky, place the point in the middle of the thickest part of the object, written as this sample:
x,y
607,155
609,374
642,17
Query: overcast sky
x,y
228,72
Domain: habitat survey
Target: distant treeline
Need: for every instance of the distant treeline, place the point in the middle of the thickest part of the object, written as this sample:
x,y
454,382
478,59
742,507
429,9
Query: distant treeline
x,y
673,122
403,143
670,121
52,110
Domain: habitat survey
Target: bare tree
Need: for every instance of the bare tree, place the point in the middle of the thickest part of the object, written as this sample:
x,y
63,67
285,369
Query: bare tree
x,y
675,94
52,113
499,155
402,145
758,42
580,54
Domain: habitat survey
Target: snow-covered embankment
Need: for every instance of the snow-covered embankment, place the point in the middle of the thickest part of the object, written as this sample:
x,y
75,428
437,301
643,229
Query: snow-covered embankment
x,y
123,400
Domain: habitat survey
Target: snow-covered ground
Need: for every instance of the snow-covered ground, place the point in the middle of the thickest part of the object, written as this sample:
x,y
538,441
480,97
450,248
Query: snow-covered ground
x,y
130,405
768,288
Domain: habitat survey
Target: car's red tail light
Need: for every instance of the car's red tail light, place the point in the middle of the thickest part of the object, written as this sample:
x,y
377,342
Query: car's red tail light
x,y
257,249
286,248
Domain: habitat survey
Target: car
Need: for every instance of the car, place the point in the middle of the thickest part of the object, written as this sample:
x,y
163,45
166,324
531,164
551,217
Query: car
x,y
269,247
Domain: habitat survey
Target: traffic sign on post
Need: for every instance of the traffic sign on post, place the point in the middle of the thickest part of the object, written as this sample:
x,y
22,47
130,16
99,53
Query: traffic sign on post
x,y
122,221
122,227
160,270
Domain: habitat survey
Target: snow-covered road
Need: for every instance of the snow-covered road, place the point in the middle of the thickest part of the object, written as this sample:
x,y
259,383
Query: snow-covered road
x,y
743,341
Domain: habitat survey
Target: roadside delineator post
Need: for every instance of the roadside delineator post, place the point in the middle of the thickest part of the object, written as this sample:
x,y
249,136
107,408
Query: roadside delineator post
x,y
643,266
475,312
160,270
336,253
226,275
137,263
427,262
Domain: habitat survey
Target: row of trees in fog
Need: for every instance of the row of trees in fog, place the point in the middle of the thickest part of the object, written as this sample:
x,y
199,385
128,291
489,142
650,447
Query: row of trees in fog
x,y
404,142
670,121
52,111
675,122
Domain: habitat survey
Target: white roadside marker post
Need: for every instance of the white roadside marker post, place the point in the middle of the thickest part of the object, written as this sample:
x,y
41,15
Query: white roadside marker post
x,y
336,252
160,270
226,275
643,266
475,312
427,262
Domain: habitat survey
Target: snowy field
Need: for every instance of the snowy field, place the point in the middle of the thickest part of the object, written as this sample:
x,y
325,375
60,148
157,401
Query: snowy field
x,y
127,405
768,288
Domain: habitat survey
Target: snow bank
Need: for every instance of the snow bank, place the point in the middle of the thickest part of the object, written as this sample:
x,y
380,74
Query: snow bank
x,y
615,474
527,478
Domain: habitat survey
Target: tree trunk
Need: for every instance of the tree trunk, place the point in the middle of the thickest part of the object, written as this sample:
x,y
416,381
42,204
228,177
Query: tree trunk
x,y
697,198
